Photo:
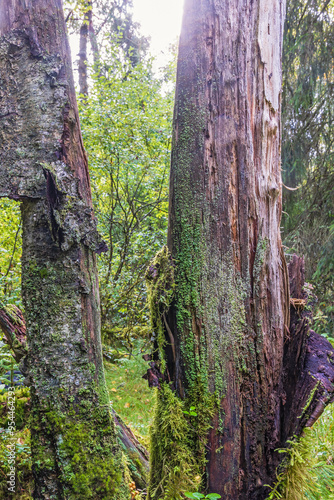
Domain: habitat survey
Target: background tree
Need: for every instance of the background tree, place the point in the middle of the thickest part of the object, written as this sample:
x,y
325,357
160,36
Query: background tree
x,y
307,146
239,377
104,24
43,164
126,128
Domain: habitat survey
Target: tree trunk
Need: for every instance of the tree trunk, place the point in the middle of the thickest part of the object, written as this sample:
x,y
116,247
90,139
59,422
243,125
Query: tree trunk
x,y
13,326
222,340
82,66
43,165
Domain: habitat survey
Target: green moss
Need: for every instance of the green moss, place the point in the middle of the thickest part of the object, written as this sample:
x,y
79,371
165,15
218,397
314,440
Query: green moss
x,y
88,462
160,292
177,453
22,397
309,400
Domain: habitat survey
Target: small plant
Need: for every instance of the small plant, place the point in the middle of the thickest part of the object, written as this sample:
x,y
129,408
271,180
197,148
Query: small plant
x,y
198,496
192,413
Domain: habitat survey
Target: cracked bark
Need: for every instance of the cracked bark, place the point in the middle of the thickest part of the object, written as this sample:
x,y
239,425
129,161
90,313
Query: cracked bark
x,y
44,166
230,317
13,325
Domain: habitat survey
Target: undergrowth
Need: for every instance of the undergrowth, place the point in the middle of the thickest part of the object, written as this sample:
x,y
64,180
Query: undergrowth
x,y
130,395
307,472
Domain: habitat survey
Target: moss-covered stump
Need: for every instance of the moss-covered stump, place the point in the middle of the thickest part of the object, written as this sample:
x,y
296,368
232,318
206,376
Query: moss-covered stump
x,y
226,335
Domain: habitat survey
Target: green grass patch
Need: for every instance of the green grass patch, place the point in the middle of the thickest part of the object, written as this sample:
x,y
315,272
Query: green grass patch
x,y
308,471
131,397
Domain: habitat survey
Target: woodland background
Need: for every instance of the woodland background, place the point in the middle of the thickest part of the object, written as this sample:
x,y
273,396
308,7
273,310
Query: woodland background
x,y
126,120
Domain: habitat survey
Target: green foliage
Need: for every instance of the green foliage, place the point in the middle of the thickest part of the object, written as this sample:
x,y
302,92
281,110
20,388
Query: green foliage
x,y
10,252
126,128
24,478
22,400
308,469
113,23
198,496
191,412
307,147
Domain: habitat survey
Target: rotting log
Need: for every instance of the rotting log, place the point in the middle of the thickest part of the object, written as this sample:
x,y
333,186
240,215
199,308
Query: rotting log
x,y
13,327
44,166
308,361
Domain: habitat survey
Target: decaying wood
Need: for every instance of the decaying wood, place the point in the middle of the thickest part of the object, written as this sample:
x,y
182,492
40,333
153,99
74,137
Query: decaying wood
x,y
308,362
230,317
13,327
136,453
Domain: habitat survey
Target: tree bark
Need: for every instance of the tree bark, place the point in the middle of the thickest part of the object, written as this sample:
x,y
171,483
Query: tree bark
x,y
13,325
226,345
43,164
82,66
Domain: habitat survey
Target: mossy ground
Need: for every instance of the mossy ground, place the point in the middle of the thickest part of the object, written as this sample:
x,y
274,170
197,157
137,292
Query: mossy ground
x,y
314,464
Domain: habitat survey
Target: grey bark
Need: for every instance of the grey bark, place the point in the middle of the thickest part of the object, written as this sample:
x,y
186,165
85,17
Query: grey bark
x,y
44,166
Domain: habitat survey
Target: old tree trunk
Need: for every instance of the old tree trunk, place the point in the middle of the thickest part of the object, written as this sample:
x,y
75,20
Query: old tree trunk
x,y
43,165
240,378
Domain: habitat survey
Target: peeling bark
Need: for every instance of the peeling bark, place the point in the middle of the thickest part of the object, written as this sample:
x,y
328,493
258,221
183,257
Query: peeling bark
x,y
230,315
43,164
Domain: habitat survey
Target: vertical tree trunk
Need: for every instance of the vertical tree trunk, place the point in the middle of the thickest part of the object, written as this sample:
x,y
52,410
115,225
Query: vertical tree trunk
x,y
223,336
43,164
82,66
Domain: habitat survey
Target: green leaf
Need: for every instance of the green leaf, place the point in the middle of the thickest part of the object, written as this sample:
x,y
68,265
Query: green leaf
x,y
213,495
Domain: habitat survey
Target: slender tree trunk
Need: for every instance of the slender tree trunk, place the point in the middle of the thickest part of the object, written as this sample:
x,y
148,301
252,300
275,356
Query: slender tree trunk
x,y
94,44
82,66
225,334
43,164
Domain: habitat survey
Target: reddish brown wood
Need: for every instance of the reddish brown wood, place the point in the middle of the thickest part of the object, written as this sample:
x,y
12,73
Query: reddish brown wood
x,y
13,326
230,317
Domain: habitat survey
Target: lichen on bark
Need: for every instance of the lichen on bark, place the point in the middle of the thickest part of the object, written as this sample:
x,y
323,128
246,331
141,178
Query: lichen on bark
x,y
75,450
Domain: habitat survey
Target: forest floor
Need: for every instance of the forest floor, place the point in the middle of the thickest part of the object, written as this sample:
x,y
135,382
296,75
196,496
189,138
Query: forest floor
x,y
131,397
310,477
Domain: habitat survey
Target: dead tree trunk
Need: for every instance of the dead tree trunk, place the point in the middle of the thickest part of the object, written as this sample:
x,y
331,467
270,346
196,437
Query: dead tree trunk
x,y
43,165
225,345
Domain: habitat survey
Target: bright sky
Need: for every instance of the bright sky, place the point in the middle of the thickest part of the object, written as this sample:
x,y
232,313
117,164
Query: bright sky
x,y
161,20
